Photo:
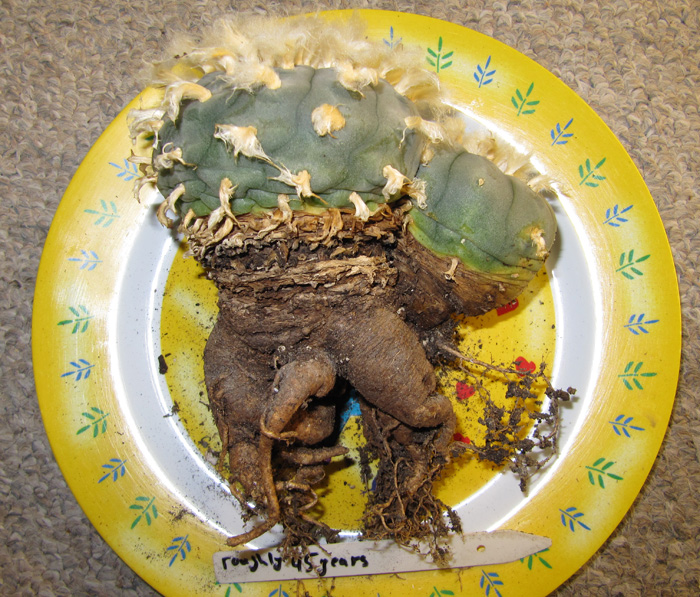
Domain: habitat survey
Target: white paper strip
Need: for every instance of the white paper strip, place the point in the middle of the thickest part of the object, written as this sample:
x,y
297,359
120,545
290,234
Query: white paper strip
x,y
355,558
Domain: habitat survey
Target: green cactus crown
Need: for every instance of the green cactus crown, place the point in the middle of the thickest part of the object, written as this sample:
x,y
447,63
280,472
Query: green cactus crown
x,y
293,115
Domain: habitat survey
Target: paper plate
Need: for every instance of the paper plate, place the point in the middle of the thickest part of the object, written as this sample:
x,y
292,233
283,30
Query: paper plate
x,y
115,306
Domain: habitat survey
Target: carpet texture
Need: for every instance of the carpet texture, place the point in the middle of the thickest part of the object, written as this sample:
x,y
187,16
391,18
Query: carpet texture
x,y
68,67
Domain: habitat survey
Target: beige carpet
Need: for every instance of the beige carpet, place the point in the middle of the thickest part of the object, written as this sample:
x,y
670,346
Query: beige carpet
x,y
67,67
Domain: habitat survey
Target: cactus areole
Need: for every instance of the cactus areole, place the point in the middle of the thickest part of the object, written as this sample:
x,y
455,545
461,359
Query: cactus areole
x,y
327,191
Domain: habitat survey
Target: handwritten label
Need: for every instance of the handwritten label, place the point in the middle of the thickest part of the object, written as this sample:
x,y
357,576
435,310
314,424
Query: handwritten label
x,y
357,558
313,563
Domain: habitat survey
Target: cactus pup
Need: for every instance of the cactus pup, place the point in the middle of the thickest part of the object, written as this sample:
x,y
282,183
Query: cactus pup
x,y
325,187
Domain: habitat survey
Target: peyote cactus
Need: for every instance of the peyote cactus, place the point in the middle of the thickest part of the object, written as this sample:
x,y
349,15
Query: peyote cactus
x,y
493,223
325,188
309,136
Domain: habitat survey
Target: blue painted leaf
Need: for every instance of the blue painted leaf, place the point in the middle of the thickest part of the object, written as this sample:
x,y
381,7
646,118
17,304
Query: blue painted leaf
x,y
115,468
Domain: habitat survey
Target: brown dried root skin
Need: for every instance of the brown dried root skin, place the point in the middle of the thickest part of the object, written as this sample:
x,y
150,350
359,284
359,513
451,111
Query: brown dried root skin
x,y
303,299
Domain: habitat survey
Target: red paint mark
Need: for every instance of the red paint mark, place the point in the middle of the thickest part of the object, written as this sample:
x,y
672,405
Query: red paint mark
x,y
524,366
512,306
464,390
458,437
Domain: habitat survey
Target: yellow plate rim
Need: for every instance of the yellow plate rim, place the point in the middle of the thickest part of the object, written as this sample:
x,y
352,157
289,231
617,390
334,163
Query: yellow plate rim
x,y
637,294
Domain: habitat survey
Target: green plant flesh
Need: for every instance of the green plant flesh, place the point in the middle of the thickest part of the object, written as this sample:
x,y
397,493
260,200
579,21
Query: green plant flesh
x,y
349,159
492,222
466,207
